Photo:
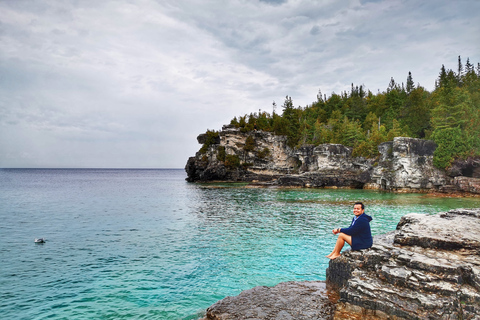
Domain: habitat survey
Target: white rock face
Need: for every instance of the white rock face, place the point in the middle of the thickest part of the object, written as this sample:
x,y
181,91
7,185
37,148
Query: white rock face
x,y
277,158
406,164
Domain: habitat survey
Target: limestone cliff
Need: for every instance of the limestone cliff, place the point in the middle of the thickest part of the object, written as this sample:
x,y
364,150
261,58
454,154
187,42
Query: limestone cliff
x,y
429,268
404,164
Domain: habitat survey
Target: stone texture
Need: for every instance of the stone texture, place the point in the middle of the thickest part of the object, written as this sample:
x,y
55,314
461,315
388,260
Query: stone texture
x,y
469,167
285,301
429,268
404,165
467,184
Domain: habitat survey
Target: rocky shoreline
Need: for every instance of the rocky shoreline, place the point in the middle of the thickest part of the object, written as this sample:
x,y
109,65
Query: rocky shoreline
x,y
264,159
428,268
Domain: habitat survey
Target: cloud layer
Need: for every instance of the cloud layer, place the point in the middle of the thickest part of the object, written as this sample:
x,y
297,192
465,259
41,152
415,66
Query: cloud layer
x,y
132,83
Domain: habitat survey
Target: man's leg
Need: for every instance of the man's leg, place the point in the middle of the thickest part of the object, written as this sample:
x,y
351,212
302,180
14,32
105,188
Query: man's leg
x,y
342,238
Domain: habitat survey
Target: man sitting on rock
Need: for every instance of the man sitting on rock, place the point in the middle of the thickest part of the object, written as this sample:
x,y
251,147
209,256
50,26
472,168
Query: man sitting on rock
x,y
358,235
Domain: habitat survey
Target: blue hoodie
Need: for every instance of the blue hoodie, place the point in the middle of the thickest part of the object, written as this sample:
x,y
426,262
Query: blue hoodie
x,y
360,232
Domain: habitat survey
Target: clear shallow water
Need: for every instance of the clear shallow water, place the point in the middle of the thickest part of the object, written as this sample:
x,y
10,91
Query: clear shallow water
x,y
144,244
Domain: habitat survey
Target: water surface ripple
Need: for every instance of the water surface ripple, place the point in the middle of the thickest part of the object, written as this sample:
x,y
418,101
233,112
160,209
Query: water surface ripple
x,y
144,244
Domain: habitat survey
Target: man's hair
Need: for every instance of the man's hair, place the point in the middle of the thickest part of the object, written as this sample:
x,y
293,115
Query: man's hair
x,y
363,207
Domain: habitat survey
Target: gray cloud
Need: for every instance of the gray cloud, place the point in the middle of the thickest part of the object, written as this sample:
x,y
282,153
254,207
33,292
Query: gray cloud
x,y
132,83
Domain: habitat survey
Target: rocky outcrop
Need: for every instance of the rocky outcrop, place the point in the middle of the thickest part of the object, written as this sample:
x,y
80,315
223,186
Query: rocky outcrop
x,y
287,301
242,156
404,164
466,184
429,268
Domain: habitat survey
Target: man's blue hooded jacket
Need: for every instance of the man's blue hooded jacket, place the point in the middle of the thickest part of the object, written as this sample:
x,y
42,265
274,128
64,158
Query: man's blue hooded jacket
x,y
360,232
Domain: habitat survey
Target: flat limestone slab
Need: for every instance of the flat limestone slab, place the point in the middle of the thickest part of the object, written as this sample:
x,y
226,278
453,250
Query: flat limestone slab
x,y
454,230
285,301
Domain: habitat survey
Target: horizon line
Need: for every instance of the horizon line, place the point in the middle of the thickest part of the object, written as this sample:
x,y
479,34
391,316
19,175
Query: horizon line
x,y
89,168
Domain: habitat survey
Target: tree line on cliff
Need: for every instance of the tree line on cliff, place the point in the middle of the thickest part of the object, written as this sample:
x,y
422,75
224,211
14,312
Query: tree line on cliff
x,y
449,115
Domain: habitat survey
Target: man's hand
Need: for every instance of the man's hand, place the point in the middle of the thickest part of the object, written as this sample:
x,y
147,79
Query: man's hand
x,y
335,231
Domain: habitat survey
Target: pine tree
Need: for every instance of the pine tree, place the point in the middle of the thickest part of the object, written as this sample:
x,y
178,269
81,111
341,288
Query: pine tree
x,y
410,84
469,67
460,71
454,123
416,113
442,77
392,85
292,122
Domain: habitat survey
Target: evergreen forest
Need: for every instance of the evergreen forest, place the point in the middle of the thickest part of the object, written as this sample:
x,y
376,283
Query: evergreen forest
x,y
450,115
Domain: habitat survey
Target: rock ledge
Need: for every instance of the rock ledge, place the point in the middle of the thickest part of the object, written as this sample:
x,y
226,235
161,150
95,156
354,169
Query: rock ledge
x,y
288,300
429,268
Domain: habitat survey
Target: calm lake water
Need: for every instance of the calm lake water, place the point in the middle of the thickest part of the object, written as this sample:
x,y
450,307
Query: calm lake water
x,y
145,244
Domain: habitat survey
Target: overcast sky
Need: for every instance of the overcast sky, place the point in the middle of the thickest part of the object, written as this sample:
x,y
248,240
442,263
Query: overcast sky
x,y
130,84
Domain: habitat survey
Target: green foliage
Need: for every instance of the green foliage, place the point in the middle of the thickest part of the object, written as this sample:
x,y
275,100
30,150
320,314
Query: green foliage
x,y
232,161
350,132
451,143
450,115
211,138
221,153
396,131
249,144
416,112
292,122
263,153
455,122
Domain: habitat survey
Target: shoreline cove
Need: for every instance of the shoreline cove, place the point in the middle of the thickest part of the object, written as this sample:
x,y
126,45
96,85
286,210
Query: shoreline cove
x,y
402,165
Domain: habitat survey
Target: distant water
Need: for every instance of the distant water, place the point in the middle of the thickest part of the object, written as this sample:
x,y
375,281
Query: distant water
x,y
145,244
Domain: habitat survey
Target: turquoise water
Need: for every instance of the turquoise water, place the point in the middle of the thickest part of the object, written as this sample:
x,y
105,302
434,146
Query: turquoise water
x,y
144,244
